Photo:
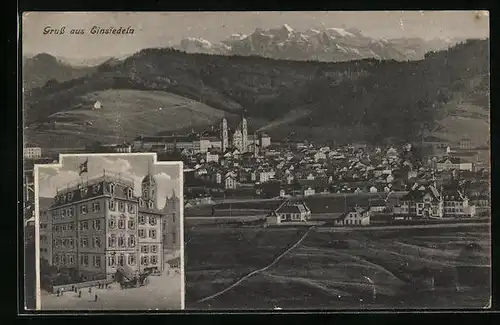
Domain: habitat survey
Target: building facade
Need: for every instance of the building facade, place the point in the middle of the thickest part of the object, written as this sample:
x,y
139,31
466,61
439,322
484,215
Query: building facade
x,y
172,223
356,216
424,202
45,235
100,225
32,153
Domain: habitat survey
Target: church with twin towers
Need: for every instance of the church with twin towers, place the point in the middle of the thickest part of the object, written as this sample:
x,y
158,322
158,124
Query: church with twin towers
x,y
240,138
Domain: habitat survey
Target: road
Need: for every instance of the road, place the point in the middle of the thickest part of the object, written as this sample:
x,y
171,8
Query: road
x,y
439,225
163,292
276,260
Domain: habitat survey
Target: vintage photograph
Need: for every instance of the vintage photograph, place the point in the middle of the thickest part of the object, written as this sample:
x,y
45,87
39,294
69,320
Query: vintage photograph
x,y
109,233
332,159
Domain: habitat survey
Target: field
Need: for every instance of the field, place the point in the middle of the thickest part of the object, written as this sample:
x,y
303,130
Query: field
x,y
408,267
124,115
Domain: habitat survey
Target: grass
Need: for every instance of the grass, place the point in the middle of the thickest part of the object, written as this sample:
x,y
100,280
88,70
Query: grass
x,y
218,256
322,274
124,115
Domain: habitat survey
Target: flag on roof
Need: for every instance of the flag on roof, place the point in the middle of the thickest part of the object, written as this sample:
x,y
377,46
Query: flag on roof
x,y
83,167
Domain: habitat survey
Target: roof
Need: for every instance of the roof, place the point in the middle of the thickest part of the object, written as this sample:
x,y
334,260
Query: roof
x,y
418,195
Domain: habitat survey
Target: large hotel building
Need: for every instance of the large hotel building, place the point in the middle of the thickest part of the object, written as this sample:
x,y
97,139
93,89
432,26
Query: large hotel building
x,y
99,225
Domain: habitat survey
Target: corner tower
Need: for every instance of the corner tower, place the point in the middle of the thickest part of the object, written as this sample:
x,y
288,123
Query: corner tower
x,y
149,188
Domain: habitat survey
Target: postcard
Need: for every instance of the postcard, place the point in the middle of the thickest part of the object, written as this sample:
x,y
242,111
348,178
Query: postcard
x,y
332,160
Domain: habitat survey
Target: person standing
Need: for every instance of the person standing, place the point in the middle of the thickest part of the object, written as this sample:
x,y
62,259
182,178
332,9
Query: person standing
x,y
95,298
80,294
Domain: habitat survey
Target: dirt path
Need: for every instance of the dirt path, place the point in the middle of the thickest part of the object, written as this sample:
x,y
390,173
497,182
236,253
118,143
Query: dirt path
x,y
276,260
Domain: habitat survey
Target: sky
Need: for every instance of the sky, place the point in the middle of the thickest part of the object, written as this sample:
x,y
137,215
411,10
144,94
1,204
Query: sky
x,y
134,167
161,29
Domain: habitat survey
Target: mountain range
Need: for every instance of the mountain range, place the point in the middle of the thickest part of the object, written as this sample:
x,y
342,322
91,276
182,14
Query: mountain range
x,y
162,89
318,44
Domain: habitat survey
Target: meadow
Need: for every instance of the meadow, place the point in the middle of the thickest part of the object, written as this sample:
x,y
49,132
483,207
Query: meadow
x,y
436,268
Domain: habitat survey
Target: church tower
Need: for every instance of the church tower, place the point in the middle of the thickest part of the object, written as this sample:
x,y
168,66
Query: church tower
x,y
149,188
171,228
224,135
244,133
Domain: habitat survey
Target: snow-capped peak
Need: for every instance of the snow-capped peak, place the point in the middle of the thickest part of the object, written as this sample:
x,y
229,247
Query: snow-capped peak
x,y
340,31
288,28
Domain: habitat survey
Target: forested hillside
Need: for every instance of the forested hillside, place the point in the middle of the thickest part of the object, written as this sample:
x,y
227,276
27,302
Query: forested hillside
x,y
371,98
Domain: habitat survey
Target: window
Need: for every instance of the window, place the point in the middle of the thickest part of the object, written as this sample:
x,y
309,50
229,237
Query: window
x,y
64,242
152,233
84,225
121,206
112,222
144,260
152,220
71,212
121,260
63,259
121,241
131,208
130,193
145,249
97,242
112,205
96,188
70,196
154,259
131,224
131,259
173,217
142,233
83,209
96,261
64,227
112,188
56,259
96,224
84,260
71,259
142,219
84,243
150,204
112,241
131,241
141,202
121,222
96,206
71,243
111,260
63,213
154,249
174,238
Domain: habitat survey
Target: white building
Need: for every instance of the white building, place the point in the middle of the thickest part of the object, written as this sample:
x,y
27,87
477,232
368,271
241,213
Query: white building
x,y
32,152
356,216
289,212
456,204
454,163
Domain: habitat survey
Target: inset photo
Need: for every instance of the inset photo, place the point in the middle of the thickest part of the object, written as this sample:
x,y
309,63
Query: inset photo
x,y
110,233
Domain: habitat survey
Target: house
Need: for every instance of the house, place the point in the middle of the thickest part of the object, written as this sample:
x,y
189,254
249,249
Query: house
x,y
320,155
289,212
465,144
230,182
309,191
422,202
456,204
212,157
378,205
355,216
454,163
